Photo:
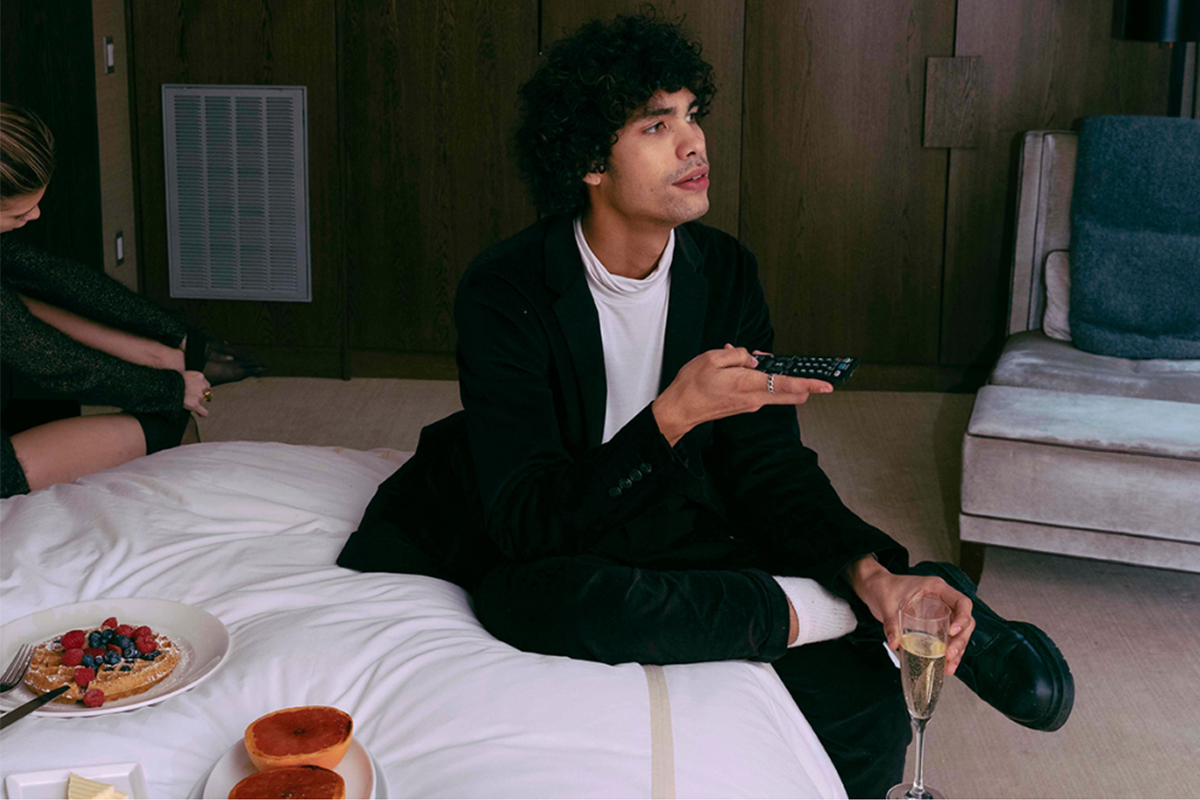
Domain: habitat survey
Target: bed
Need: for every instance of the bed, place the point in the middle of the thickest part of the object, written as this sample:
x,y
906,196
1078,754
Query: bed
x,y
249,533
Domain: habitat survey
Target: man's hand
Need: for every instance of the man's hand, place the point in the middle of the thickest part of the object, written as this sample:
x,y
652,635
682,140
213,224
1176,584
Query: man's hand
x,y
885,594
721,383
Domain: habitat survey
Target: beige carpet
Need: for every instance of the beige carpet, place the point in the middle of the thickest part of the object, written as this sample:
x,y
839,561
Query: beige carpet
x,y
1131,635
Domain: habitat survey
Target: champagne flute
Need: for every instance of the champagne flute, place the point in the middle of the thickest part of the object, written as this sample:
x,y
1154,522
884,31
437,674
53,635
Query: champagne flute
x,y
924,634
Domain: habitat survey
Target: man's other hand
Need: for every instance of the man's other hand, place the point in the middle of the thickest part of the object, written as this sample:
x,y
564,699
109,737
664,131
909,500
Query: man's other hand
x,y
885,594
721,383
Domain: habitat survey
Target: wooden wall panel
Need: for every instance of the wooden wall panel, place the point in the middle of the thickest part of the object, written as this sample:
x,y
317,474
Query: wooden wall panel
x,y
840,202
1045,65
719,26
269,42
46,66
429,106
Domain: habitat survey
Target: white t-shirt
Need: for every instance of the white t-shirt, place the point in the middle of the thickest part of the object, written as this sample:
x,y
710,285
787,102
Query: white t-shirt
x,y
633,326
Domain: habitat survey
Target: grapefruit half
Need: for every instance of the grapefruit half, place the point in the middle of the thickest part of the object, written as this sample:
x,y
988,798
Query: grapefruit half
x,y
296,782
316,736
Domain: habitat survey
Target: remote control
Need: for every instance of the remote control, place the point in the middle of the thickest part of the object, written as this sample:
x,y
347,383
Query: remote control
x,y
824,368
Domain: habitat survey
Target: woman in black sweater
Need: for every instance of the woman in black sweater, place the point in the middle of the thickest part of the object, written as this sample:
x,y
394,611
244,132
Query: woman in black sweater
x,y
75,331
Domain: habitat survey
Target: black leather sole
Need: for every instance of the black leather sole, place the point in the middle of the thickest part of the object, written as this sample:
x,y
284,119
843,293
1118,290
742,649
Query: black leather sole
x,y
1063,682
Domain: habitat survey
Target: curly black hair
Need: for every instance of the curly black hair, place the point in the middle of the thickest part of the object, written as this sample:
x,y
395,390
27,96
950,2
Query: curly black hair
x,y
587,89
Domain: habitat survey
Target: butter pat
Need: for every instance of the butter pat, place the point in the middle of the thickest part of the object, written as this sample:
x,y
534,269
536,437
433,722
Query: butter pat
x,y
79,788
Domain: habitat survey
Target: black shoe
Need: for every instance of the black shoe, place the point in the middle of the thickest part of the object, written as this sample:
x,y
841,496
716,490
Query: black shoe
x,y
1012,666
218,360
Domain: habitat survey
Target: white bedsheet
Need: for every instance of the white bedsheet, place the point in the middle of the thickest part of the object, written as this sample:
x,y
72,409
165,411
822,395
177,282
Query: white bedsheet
x,y
250,532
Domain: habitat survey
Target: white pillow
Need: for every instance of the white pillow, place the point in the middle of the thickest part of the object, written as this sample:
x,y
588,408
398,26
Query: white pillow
x,y
1055,322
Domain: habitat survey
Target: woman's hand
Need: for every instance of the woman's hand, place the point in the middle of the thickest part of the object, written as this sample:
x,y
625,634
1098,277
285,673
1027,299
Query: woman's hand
x,y
194,387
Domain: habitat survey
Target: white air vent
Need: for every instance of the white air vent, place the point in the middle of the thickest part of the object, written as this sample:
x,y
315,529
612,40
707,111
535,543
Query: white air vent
x,y
237,192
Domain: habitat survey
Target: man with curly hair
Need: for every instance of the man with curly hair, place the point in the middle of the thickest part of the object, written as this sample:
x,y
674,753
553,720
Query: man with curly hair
x,y
622,485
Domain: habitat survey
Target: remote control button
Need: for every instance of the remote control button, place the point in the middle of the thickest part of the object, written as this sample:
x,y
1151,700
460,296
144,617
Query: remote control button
x,y
645,467
614,492
636,475
625,483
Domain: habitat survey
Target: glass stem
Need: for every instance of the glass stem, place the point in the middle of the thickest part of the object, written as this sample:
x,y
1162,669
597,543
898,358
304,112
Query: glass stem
x,y
918,790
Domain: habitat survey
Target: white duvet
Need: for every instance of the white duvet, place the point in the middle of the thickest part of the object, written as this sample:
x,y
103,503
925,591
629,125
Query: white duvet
x,y
250,531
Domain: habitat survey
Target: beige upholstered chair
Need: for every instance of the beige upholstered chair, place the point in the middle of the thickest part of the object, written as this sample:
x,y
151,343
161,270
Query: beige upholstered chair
x,y
1069,452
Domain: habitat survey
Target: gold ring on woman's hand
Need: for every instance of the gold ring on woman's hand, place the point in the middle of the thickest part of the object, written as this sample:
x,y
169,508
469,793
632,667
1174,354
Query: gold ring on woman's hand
x,y
208,395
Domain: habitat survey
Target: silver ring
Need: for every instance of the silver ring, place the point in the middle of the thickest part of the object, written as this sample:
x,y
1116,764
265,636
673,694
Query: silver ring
x,y
771,383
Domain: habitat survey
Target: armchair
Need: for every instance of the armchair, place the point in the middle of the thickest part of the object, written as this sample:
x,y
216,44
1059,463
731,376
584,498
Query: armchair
x,y
1067,451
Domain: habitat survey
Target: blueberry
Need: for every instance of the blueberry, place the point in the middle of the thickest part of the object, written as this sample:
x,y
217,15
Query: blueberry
x,y
113,657
122,641
129,652
94,639
87,661
107,635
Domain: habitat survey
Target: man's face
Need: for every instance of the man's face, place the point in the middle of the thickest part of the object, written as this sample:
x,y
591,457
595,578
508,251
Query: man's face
x,y
658,171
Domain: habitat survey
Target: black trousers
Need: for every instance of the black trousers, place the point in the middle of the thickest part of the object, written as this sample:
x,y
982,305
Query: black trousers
x,y
709,603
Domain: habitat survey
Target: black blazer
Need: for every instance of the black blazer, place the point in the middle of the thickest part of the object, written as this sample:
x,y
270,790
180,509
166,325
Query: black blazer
x,y
530,478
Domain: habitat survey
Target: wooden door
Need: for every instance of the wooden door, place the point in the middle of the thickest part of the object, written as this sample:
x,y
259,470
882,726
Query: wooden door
x,y
839,201
428,111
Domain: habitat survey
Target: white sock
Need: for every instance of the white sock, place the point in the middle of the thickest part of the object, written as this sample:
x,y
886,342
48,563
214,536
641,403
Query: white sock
x,y
821,614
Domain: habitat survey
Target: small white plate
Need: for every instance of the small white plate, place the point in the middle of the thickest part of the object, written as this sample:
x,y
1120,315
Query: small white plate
x,y
357,769
202,638
128,778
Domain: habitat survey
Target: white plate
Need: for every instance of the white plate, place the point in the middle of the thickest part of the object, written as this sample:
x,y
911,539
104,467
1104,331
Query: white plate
x,y
357,769
202,638
128,778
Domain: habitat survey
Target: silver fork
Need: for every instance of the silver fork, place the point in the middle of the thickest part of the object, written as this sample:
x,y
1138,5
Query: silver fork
x,y
11,678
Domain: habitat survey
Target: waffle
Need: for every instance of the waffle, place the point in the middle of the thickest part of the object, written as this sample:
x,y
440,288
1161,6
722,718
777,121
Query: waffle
x,y
46,672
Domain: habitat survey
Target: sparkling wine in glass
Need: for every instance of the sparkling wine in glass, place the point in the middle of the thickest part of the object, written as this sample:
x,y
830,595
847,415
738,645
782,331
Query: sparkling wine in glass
x,y
924,633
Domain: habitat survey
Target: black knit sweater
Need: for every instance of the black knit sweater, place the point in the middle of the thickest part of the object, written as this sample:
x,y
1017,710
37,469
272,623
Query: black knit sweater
x,y
60,364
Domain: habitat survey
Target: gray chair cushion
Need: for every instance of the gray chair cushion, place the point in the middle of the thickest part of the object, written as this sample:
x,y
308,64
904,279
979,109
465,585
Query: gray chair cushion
x,y
1089,421
1033,360
1094,462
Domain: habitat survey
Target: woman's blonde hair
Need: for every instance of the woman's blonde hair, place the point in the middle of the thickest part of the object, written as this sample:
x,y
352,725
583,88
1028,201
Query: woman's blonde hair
x,y
26,153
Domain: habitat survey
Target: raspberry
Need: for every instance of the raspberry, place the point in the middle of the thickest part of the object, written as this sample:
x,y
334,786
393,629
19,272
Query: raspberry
x,y
72,657
115,648
142,632
94,651
84,676
125,630
146,645
111,622
73,639
93,698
